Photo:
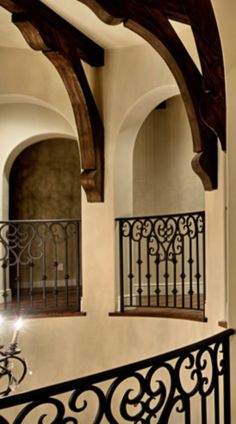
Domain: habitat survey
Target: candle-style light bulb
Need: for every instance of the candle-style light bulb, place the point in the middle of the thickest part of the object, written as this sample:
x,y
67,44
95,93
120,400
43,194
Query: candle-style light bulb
x,y
18,326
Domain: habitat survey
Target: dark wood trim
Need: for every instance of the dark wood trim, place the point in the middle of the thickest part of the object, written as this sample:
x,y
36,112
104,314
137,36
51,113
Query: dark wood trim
x,y
162,313
65,47
42,314
223,324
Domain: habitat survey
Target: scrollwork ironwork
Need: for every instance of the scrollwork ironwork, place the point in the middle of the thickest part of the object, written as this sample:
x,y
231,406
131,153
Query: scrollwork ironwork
x,y
33,255
172,385
165,255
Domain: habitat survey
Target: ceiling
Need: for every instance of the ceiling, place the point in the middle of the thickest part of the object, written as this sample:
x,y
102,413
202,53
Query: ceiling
x,y
82,18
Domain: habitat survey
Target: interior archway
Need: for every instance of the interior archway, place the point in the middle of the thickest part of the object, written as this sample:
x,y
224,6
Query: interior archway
x,y
129,129
163,181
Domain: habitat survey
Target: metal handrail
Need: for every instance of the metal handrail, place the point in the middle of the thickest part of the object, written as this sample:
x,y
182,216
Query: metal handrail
x,y
211,352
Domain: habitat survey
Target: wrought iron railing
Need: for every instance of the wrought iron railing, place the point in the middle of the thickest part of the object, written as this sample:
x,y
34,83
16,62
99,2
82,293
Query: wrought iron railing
x,y
191,384
162,261
40,262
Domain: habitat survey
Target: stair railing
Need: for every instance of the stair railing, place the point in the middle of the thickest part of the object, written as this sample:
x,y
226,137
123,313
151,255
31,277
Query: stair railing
x,y
187,385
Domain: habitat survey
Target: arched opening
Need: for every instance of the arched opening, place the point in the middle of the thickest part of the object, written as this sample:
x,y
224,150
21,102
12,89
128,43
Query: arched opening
x,y
163,179
43,234
162,241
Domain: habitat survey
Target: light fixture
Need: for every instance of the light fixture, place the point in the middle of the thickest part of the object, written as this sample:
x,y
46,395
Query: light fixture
x,y
13,368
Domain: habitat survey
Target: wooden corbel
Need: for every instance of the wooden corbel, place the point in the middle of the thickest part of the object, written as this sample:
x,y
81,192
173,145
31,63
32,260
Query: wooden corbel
x,y
64,46
203,93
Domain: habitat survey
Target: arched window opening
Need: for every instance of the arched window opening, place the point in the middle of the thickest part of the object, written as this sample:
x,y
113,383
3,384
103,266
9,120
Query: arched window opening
x,y
43,232
162,247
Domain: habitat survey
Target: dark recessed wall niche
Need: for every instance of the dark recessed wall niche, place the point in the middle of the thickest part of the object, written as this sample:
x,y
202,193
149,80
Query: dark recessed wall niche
x,y
44,181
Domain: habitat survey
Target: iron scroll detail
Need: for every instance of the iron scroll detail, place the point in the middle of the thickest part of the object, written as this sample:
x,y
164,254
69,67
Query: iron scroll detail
x,y
177,385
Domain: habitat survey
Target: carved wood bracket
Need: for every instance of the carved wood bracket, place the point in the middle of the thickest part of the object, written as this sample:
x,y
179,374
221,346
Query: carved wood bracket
x,y
203,92
65,47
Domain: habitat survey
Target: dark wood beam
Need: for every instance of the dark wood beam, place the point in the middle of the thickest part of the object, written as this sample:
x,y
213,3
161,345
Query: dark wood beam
x,y
157,30
116,11
203,94
47,19
213,103
175,10
63,50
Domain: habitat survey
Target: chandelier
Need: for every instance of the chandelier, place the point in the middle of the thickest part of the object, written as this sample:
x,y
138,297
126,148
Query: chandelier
x,y
13,368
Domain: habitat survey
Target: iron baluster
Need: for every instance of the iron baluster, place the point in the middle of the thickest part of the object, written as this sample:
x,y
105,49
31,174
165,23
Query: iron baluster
x,y
198,276
166,277
55,265
66,276
130,276
175,291
203,409
148,275
226,380
217,402
31,279
204,260
18,284
44,276
157,262
139,262
121,258
190,261
183,272
4,271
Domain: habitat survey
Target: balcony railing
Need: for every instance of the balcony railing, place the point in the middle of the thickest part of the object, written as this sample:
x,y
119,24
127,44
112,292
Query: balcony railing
x,y
188,385
162,261
40,262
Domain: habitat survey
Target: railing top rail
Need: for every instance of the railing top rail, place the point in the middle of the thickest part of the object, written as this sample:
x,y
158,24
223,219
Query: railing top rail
x,y
34,221
127,218
60,388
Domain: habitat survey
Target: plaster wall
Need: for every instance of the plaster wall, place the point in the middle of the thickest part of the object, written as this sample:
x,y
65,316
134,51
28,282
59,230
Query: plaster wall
x,y
163,179
76,346
29,73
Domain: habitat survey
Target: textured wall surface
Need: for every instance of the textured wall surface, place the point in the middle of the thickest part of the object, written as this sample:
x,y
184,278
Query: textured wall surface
x,y
163,179
45,181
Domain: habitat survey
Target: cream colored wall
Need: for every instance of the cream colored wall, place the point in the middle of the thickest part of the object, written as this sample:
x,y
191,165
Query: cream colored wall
x,y
62,348
30,73
225,14
163,179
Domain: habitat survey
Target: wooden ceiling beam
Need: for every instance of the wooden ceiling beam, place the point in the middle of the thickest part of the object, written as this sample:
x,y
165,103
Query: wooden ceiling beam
x,y
43,16
45,32
213,102
203,94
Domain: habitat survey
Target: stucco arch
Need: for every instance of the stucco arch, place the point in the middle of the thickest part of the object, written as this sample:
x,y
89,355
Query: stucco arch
x,y
22,124
123,164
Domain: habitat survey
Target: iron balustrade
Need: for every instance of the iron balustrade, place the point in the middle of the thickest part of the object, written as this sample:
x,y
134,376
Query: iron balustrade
x,y
162,261
190,384
40,263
